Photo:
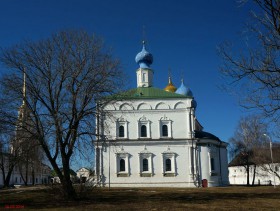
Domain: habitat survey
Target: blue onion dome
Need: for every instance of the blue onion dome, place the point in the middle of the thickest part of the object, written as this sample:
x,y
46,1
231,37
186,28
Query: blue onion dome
x,y
183,90
144,59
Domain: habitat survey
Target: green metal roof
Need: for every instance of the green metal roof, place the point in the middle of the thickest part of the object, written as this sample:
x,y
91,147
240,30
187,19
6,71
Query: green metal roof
x,y
149,93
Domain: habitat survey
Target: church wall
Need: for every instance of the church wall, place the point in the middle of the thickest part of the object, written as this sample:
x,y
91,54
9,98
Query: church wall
x,y
214,165
190,166
224,165
154,112
204,164
180,177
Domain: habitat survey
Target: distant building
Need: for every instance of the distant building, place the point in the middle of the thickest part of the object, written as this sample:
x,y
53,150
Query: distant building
x,y
85,174
26,152
73,176
39,175
153,138
263,170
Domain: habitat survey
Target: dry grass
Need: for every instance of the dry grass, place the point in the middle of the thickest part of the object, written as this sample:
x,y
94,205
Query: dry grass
x,y
226,198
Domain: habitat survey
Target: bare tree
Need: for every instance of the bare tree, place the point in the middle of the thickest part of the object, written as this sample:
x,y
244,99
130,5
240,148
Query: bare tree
x,y
18,149
65,76
8,160
254,72
264,160
30,158
248,143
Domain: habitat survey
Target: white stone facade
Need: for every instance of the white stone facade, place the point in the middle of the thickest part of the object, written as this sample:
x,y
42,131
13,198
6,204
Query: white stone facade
x,y
190,157
177,114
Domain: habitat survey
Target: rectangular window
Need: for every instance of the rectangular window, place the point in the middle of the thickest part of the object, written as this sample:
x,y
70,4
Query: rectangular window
x,y
168,165
121,128
212,164
144,77
143,131
145,164
145,161
121,131
165,130
122,165
144,128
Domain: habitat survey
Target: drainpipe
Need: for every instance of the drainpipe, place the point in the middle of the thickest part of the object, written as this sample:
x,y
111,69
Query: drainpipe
x,y
97,149
221,178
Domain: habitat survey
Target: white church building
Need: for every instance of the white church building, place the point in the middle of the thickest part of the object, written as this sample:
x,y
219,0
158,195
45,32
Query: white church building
x,y
151,138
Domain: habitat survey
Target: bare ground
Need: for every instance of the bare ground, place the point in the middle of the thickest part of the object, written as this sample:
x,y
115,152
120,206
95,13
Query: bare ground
x,y
223,198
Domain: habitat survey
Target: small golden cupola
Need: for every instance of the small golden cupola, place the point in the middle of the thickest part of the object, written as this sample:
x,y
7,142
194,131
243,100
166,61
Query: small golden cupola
x,y
170,87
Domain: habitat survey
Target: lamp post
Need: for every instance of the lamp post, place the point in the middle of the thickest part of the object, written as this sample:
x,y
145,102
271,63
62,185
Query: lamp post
x,y
272,164
109,165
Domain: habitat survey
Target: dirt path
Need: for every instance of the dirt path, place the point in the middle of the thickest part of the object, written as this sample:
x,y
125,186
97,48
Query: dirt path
x,y
23,188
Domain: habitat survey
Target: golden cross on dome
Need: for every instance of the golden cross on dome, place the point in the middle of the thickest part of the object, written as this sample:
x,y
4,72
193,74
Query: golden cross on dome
x,y
144,35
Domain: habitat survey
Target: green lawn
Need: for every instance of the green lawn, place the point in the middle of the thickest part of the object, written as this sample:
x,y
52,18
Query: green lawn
x,y
225,198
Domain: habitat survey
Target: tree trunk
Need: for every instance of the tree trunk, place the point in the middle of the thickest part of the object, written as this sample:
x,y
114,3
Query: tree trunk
x,y
11,165
3,174
248,175
33,176
254,175
68,189
8,177
21,171
26,173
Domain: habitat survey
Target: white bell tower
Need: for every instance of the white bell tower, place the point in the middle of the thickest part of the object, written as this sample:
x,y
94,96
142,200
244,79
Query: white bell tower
x,y
144,77
144,73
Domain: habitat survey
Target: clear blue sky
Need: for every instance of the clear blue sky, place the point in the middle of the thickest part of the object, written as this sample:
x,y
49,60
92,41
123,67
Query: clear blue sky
x,y
181,34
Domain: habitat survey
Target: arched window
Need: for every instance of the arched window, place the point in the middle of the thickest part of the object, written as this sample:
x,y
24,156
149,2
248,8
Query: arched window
x,y
122,165
143,131
164,130
212,164
168,165
121,131
145,164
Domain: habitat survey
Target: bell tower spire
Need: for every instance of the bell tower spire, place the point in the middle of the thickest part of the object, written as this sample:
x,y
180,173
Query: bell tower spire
x,y
24,87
